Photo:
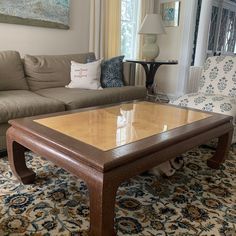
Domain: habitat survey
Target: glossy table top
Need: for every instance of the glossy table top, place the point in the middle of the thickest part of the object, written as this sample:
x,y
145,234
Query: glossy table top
x,y
111,127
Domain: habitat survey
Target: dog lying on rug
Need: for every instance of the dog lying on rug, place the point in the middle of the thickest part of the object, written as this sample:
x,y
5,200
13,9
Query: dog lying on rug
x,y
168,168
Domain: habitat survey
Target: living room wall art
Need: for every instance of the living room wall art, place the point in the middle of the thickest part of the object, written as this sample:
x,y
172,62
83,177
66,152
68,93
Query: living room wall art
x,y
170,13
42,13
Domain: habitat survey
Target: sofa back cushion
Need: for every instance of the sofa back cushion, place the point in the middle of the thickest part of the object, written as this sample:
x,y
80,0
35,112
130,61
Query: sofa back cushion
x,y
219,76
12,75
51,71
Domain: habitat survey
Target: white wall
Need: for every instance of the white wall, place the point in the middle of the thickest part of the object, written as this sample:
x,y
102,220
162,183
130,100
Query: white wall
x,y
37,40
169,45
176,44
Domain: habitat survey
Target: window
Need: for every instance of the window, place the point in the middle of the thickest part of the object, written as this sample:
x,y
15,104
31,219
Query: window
x,y
222,36
129,24
213,26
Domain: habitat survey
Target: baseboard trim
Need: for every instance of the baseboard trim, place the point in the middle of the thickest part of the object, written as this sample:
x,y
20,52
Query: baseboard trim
x,y
3,153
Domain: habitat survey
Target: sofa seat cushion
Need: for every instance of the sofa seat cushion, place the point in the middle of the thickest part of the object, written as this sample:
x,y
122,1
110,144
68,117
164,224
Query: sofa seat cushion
x,y
75,98
23,103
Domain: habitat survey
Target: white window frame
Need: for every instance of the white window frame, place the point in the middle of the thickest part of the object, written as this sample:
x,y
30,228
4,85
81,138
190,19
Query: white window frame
x,y
221,4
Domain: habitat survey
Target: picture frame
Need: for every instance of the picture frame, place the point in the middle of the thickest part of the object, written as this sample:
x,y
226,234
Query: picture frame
x,y
41,13
170,13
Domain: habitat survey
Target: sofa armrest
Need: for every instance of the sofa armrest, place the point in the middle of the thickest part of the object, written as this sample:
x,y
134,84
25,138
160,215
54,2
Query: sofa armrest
x,y
194,76
129,73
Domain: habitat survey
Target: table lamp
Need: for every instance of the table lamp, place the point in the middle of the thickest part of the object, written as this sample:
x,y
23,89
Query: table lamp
x,y
151,26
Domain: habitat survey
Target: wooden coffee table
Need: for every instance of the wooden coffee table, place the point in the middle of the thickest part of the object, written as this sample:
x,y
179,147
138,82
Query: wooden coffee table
x,y
107,145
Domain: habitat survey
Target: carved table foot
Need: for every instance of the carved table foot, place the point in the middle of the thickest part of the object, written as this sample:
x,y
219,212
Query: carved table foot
x,y
221,151
16,157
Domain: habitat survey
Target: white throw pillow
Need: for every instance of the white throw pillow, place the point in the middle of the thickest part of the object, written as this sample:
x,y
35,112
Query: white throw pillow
x,y
85,76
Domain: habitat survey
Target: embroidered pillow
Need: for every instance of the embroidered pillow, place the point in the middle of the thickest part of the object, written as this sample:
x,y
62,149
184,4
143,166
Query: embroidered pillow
x,y
85,76
112,72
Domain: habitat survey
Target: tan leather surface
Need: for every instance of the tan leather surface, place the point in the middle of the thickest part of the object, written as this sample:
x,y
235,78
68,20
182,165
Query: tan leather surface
x,y
23,103
51,71
11,71
78,98
3,130
129,74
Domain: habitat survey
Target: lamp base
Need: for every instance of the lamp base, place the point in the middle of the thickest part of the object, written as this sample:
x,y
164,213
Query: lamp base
x,y
150,48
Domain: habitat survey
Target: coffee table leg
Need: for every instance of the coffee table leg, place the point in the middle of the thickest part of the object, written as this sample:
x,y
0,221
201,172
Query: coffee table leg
x,y
16,157
102,208
221,151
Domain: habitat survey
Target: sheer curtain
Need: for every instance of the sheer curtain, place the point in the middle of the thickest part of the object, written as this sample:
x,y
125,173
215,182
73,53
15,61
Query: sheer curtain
x,y
105,28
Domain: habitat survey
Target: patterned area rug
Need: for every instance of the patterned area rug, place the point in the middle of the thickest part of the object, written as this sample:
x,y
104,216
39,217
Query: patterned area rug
x,y
195,201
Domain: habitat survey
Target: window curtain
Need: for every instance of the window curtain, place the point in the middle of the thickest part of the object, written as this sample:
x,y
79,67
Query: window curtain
x,y
146,6
105,18
105,30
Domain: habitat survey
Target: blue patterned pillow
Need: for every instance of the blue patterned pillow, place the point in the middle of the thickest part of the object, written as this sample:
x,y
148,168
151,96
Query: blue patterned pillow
x,y
112,72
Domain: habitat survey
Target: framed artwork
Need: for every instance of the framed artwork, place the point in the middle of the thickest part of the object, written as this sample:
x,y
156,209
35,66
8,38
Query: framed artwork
x,y
43,13
170,13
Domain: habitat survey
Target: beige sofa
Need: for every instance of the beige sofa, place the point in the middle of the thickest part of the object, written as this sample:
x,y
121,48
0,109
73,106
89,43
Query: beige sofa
x,y
36,85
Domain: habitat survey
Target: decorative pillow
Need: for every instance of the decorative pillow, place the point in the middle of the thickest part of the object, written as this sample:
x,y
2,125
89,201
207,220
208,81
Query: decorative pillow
x,y
112,72
85,76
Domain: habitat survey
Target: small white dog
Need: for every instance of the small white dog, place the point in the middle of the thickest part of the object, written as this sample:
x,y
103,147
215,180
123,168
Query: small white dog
x,y
168,168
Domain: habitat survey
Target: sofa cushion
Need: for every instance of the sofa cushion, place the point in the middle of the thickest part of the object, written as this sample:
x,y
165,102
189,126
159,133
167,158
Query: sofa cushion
x,y
78,98
112,72
85,76
51,71
22,103
11,71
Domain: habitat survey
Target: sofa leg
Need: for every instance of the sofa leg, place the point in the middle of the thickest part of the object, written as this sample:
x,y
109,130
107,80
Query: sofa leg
x,y
3,153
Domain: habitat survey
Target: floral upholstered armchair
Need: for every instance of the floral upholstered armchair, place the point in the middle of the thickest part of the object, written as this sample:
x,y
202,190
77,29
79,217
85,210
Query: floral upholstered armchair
x,y
216,88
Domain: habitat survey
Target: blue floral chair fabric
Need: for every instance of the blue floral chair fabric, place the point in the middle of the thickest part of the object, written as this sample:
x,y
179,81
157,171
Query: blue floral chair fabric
x,y
217,88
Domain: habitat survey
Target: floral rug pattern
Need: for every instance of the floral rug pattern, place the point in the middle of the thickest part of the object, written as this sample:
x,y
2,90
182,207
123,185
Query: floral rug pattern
x,y
197,200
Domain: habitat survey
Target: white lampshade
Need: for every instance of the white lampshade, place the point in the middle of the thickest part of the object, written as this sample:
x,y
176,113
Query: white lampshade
x,y
152,24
